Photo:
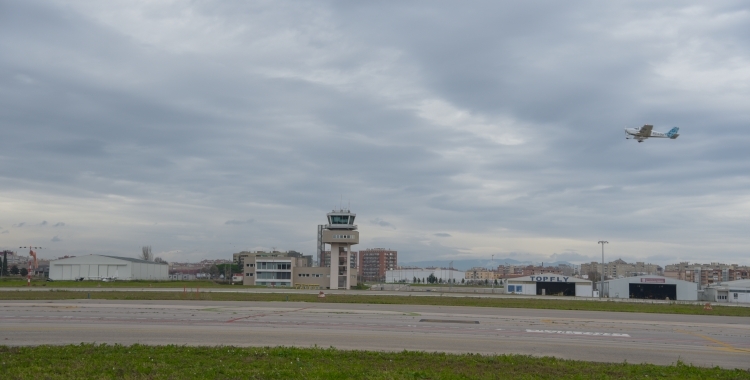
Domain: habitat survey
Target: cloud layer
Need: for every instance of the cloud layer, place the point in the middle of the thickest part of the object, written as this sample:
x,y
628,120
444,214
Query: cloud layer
x,y
205,128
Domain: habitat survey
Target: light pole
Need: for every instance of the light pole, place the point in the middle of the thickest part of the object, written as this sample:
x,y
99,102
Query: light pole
x,y
601,280
493,274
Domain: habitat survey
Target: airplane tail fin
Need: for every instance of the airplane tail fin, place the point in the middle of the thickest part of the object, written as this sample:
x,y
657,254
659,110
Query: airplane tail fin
x,y
672,134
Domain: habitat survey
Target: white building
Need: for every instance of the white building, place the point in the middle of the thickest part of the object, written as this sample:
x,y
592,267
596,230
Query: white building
x,y
651,287
408,275
549,285
728,291
96,267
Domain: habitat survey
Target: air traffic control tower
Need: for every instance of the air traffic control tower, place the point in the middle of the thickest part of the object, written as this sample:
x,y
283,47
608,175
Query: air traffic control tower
x,y
341,234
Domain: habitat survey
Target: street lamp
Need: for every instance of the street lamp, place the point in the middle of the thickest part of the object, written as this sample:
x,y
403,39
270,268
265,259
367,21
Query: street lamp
x,y
493,274
601,280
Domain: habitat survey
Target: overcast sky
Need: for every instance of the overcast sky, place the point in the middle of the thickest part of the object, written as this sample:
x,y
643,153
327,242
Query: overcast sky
x,y
454,130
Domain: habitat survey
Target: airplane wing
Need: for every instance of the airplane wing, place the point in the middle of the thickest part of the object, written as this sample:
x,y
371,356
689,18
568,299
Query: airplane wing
x,y
646,130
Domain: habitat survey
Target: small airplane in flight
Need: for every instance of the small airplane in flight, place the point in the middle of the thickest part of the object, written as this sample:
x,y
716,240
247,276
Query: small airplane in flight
x,y
647,131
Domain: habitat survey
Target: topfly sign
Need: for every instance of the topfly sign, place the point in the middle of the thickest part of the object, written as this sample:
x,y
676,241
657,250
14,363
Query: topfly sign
x,y
653,280
549,278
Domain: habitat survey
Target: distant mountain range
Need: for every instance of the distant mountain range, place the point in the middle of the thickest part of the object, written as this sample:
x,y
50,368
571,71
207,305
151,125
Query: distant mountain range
x,y
471,263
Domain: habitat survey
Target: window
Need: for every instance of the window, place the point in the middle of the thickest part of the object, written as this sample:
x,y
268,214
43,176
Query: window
x,y
339,219
519,288
250,274
511,288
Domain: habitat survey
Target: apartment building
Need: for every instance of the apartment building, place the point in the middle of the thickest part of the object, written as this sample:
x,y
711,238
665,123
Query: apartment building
x,y
707,274
374,262
620,269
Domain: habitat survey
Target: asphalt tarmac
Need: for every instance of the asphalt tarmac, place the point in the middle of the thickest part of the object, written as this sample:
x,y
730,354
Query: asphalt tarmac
x,y
579,335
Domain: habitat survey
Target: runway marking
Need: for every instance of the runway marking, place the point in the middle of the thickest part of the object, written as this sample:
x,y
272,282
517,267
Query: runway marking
x,y
578,333
726,346
264,315
449,321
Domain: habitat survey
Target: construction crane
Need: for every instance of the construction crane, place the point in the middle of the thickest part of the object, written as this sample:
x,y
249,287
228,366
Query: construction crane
x,y
32,263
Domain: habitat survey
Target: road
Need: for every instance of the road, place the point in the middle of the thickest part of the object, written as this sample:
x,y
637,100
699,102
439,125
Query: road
x,y
580,335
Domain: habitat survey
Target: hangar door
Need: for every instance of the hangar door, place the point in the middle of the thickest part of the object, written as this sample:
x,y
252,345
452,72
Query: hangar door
x,y
556,288
653,291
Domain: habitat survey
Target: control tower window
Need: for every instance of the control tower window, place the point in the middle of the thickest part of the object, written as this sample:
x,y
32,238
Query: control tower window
x,y
339,219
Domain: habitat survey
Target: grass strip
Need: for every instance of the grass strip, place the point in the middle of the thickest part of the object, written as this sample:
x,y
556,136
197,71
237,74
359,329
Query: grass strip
x,y
523,303
15,282
90,361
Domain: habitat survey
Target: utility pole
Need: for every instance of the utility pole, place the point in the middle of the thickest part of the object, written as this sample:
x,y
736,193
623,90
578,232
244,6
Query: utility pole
x,y
493,274
601,280
450,276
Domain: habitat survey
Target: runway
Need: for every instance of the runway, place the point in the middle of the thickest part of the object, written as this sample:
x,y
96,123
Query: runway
x,y
580,335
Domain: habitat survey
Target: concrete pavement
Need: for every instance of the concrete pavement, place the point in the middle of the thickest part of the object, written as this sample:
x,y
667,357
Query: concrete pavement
x,y
580,335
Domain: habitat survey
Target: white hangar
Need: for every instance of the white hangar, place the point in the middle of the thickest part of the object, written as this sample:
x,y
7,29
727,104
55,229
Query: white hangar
x,y
97,267
651,287
737,291
549,285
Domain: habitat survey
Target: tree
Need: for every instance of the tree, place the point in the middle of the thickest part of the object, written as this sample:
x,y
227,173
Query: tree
x,y
595,276
414,281
229,268
495,281
463,281
146,253
5,263
431,278
24,272
14,270
160,260
214,271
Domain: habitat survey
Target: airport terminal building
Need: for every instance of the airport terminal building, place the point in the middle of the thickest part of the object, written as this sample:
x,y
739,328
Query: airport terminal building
x,y
549,285
651,287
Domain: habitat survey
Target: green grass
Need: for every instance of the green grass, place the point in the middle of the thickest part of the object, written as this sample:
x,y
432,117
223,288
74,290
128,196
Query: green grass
x,y
524,303
455,286
88,361
15,282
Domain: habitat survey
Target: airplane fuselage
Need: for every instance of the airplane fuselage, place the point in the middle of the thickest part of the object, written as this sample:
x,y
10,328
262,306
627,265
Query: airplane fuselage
x,y
647,132
636,132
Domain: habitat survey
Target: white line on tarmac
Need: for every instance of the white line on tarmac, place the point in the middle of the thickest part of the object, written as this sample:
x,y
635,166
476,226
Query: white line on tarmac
x,y
577,333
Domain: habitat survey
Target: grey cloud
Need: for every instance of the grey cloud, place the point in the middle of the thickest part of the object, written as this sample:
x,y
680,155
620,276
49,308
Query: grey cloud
x,y
382,223
573,257
277,108
59,224
55,239
239,222
43,223
19,224
442,234
5,232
